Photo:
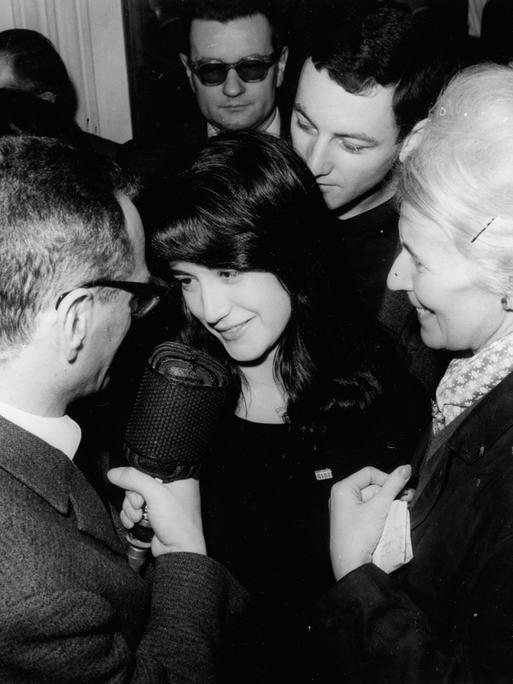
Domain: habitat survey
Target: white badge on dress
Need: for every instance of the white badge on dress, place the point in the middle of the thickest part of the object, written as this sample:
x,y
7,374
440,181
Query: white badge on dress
x,y
323,474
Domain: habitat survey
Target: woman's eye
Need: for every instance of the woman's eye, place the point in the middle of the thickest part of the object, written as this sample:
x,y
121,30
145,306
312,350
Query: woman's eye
x,y
352,147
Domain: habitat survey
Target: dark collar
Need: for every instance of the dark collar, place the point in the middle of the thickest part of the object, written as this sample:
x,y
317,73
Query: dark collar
x,y
486,422
470,440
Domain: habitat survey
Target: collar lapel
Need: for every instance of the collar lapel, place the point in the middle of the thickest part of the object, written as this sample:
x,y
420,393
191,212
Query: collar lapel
x,y
468,437
56,479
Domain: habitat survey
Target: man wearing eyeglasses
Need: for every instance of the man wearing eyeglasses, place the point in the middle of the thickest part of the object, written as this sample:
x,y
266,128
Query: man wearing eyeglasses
x,y
72,275
235,62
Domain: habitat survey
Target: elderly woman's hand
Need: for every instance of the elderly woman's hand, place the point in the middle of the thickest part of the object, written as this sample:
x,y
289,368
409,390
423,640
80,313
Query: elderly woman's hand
x,y
359,507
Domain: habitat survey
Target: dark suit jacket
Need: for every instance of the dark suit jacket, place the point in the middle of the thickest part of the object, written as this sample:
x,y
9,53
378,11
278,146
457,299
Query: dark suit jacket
x,y
71,609
447,616
156,159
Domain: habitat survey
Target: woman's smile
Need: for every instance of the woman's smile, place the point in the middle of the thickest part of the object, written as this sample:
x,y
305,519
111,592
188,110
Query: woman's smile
x,y
233,332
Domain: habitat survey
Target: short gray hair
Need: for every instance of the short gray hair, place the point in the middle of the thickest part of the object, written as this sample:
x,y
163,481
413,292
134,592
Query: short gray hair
x,y
61,225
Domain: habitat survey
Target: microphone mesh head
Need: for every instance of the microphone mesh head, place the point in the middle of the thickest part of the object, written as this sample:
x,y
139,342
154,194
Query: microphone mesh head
x,y
178,405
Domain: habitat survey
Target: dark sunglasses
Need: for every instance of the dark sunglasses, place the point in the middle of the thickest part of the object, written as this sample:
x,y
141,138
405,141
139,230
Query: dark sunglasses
x,y
248,69
146,296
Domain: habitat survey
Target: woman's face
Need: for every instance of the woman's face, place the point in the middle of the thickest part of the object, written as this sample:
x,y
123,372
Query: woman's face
x,y
453,310
247,311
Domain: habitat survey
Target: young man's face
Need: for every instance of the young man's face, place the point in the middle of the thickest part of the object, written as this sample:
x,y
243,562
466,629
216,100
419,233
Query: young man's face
x,y
348,141
235,104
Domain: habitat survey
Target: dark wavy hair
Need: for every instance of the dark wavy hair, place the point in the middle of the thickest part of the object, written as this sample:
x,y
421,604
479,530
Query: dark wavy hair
x,y
361,43
249,203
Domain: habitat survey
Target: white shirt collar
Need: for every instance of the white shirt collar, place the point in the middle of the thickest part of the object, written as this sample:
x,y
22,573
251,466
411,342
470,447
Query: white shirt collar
x,y
62,433
273,127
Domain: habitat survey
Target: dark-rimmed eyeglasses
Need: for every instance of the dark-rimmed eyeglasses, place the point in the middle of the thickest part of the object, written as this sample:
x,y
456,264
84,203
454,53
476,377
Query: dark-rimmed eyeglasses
x,y
249,69
145,297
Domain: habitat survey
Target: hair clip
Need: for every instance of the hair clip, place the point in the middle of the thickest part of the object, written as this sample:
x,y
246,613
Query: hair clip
x,y
442,111
483,229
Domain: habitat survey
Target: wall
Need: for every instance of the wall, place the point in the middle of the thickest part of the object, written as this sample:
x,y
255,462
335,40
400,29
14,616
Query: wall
x,y
88,35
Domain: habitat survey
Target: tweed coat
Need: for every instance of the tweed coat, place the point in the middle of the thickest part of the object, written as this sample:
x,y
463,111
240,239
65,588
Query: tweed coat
x,y
448,615
71,609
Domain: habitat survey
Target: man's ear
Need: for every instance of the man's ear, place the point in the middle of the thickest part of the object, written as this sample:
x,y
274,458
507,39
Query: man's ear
x,y
185,61
282,63
412,140
74,319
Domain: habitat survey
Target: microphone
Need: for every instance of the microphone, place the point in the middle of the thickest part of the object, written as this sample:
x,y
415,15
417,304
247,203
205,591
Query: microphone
x,y
177,408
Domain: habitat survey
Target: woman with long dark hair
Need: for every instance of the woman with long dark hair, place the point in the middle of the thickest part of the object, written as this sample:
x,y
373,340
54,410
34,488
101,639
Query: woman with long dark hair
x,y
315,392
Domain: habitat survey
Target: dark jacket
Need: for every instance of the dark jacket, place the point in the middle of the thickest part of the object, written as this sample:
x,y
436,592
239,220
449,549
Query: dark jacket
x,y
156,159
448,615
71,609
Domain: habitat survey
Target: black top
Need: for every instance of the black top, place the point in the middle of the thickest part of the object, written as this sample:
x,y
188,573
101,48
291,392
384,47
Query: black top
x,y
265,495
367,245
369,242
265,509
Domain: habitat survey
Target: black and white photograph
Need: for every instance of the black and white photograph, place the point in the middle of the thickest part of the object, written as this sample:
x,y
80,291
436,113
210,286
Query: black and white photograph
x,y
256,341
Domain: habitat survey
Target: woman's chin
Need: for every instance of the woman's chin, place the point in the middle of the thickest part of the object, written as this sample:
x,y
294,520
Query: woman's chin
x,y
431,339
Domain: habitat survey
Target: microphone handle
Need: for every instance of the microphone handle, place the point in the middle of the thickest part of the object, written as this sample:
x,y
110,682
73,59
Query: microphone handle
x,y
139,540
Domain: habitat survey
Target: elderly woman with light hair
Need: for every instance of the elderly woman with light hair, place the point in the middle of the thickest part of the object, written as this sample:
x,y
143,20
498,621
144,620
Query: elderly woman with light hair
x,y
447,614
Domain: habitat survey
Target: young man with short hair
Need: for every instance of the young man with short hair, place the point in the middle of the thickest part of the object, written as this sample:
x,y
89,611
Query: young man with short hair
x,y
370,78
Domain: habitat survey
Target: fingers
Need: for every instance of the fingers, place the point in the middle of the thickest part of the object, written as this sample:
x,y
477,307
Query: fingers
x,y
359,482
173,510
132,509
369,492
407,495
126,521
369,482
135,499
366,476
359,506
134,480
394,483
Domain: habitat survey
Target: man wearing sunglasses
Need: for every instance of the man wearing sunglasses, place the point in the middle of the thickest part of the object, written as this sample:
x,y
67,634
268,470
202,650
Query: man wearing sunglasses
x,y
235,63
72,276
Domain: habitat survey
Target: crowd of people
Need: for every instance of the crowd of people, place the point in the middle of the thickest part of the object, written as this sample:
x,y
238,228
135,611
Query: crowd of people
x,y
347,258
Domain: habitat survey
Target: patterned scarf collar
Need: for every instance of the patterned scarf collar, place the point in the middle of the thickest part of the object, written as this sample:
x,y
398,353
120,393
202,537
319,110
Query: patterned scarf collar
x,y
468,379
